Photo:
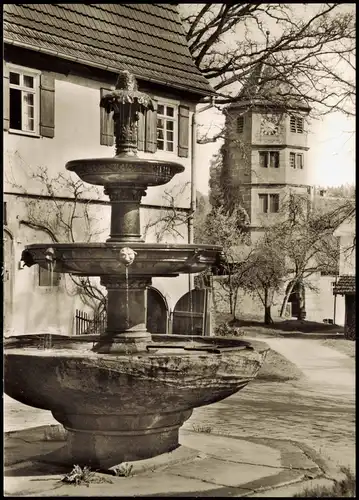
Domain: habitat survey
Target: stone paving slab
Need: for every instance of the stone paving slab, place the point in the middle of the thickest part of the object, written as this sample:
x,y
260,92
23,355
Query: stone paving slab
x,y
205,465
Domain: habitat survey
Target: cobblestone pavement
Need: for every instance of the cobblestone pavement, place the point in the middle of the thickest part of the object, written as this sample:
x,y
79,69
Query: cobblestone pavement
x,y
312,413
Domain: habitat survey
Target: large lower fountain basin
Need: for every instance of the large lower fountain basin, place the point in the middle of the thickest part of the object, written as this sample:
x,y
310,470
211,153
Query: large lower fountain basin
x,y
100,259
125,407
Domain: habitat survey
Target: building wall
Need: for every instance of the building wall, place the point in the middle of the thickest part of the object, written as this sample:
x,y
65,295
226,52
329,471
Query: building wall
x,y
77,135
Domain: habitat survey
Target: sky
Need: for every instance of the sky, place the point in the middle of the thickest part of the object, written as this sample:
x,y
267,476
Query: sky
x,y
331,157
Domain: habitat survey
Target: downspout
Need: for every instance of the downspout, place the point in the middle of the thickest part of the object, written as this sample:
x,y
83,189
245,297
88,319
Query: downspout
x,y
193,188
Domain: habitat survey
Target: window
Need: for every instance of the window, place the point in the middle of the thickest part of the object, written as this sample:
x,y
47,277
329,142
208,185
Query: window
x,y
240,124
296,160
300,161
45,278
296,124
24,100
166,128
269,159
268,203
274,203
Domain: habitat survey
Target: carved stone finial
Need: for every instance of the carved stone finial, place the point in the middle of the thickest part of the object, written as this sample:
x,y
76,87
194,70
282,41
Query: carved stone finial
x,y
126,102
126,81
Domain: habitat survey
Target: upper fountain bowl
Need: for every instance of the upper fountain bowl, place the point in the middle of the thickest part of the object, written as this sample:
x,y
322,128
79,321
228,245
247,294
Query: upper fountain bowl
x,y
125,171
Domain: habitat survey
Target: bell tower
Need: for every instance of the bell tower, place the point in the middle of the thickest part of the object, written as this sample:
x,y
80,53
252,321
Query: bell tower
x,y
265,150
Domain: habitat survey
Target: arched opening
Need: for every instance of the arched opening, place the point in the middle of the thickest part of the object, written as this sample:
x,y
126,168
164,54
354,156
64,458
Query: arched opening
x,y
189,315
157,312
8,277
297,299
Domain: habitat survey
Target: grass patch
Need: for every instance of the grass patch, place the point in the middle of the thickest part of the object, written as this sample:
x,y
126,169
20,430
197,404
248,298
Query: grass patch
x,y
340,489
253,326
207,429
277,368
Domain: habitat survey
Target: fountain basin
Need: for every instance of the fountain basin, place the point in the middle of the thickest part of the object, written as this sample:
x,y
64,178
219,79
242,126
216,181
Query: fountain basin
x,y
100,259
125,171
126,407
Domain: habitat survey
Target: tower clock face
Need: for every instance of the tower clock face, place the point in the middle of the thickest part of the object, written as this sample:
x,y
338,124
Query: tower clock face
x,y
269,125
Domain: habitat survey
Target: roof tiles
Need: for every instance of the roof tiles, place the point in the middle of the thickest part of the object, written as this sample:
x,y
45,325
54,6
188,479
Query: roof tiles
x,y
147,39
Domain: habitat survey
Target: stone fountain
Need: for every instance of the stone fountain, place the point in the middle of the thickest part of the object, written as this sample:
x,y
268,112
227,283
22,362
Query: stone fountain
x,y
123,395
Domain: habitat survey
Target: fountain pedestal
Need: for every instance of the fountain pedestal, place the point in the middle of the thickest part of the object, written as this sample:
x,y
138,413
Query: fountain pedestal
x,y
104,441
126,315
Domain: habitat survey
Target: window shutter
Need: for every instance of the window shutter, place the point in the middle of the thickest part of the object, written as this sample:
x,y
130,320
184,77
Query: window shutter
x,y
6,97
183,131
106,123
151,129
47,105
141,131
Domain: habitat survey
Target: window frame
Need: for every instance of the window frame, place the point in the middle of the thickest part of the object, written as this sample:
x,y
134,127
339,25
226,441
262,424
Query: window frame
x,y
41,275
240,124
296,160
35,74
296,124
175,105
268,203
268,155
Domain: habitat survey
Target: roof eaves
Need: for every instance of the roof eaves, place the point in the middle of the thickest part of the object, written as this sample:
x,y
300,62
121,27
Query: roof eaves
x,y
112,69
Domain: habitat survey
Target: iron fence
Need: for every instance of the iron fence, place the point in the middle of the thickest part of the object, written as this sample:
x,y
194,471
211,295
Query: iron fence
x,y
85,324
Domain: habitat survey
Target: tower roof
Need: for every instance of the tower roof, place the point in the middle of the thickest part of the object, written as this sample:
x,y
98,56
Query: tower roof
x,y
266,86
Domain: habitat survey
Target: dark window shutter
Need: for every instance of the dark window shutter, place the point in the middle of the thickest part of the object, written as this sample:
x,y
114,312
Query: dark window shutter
x,y
141,132
6,97
47,105
106,124
183,131
151,129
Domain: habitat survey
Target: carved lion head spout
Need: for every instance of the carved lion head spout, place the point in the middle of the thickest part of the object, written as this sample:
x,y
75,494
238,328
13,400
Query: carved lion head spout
x,y
127,256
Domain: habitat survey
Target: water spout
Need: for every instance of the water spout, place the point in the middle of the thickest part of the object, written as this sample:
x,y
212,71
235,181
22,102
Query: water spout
x,y
50,255
127,256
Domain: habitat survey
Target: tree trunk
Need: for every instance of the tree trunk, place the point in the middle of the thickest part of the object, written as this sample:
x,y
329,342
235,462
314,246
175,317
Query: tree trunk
x,y
267,313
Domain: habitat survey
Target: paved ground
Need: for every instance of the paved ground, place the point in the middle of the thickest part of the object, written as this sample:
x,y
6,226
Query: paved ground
x,y
318,412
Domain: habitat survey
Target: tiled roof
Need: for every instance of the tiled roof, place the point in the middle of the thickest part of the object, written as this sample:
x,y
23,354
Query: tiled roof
x,y
345,285
263,86
146,39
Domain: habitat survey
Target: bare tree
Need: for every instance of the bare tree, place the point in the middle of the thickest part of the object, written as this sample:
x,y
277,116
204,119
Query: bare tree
x,y
170,219
68,218
229,229
306,239
309,49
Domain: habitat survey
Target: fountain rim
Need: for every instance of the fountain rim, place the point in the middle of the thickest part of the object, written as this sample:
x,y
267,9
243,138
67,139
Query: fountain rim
x,y
133,244
124,159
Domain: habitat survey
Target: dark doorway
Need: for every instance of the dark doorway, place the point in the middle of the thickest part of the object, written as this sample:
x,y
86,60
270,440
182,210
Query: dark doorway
x,y
297,299
157,312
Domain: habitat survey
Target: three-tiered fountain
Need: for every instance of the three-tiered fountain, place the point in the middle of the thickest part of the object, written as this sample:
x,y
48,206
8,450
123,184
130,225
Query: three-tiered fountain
x,y
123,396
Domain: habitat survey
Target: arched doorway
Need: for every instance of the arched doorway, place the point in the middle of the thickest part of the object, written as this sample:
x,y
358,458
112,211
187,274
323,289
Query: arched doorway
x,y
189,315
8,277
297,299
157,312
